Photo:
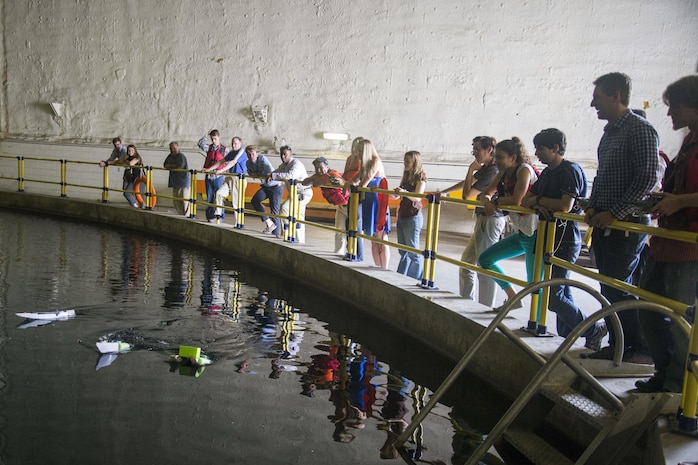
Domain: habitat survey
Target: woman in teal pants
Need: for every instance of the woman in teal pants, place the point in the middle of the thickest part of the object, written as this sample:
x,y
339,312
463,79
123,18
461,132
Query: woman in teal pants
x,y
515,178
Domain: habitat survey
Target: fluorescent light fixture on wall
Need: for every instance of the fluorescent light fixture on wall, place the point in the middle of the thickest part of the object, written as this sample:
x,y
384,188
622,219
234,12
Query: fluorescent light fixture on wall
x,y
335,136
337,139
57,109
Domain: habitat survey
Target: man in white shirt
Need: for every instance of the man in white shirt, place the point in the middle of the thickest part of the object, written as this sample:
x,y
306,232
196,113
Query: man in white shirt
x,y
292,168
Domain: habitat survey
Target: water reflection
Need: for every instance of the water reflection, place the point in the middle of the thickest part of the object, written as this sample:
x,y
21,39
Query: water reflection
x,y
283,386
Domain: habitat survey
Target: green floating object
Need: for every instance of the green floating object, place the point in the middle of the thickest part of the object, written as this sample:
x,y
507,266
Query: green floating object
x,y
189,352
189,370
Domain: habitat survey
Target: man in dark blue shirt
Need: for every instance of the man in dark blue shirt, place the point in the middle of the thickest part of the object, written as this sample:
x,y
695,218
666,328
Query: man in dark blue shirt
x,y
556,189
179,181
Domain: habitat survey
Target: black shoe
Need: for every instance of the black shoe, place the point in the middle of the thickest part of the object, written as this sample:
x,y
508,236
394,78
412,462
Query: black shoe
x,y
638,358
602,354
653,384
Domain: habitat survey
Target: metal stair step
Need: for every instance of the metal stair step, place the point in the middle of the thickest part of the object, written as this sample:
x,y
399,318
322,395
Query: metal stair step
x,y
578,404
535,448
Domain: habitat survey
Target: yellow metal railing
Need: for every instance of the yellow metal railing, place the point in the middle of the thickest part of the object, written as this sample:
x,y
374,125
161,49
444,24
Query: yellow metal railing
x,y
543,262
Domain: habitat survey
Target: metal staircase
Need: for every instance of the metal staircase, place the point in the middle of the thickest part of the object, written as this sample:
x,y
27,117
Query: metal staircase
x,y
563,425
568,418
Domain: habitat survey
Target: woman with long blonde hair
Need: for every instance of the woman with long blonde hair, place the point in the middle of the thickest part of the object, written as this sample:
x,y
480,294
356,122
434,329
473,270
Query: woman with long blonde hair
x,y
374,207
352,167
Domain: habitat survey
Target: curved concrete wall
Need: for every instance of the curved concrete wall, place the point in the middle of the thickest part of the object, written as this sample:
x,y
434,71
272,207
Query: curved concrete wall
x,y
412,75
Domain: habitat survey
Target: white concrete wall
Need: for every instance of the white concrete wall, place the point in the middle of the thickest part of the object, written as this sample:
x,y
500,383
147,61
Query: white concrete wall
x,y
407,74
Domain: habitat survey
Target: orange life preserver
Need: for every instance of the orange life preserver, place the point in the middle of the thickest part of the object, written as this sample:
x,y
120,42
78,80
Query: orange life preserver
x,y
141,200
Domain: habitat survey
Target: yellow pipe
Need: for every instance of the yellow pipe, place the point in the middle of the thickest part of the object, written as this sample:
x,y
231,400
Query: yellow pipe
x,y
533,312
192,194
623,286
551,229
687,417
240,207
292,210
105,184
434,243
685,236
353,220
64,178
148,188
20,174
428,242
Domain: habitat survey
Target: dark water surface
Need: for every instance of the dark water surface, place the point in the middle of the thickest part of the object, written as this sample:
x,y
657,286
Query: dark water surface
x,y
297,377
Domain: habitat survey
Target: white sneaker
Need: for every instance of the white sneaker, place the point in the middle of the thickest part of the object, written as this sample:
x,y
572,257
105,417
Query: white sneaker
x,y
518,304
270,229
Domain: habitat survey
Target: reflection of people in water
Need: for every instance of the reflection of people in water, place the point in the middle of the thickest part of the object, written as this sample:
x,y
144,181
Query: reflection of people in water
x,y
465,441
393,413
211,298
322,372
130,264
176,287
348,389
345,416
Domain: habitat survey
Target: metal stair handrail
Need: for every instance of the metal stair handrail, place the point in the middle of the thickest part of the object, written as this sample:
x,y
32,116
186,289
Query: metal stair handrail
x,y
552,362
496,323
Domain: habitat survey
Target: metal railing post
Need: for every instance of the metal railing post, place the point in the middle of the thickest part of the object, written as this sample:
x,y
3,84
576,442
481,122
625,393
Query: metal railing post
x,y
687,419
20,174
192,194
105,183
148,187
434,243
291,233
533,314
64,178
428,242
550,229
240,207
352,246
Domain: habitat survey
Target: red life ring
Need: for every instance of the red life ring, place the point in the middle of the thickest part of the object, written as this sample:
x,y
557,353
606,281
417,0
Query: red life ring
x,y
137,188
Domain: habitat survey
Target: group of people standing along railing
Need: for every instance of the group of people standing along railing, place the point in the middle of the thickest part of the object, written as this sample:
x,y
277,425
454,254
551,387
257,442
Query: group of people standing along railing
x,y
618,211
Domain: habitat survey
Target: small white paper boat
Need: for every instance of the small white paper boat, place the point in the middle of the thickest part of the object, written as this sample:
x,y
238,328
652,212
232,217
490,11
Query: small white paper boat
x,y
113,347
34,324
57,315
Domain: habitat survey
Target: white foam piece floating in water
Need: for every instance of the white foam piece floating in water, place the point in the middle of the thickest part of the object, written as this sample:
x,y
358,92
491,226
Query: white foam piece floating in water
x,y
113,347
105,360
57,315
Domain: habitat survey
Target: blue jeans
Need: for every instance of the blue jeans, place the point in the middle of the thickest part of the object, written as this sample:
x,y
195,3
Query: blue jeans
x,y
408,229
510,247
668,345
129,186
561,300
618,256
213,183
274,194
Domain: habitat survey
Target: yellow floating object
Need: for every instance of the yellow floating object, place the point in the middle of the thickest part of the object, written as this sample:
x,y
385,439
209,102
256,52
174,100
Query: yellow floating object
x,y
189,352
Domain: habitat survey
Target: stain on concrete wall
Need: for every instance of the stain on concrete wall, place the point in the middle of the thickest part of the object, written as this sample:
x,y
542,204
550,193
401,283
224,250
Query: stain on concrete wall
x,y
408,75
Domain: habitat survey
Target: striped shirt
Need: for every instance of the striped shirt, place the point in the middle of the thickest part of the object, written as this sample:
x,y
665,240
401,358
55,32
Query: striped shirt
x,y
628,165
